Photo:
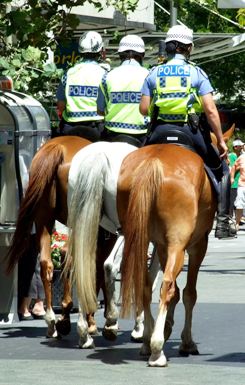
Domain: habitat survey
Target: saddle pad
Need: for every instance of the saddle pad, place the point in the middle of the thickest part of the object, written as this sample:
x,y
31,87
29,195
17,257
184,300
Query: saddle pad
x,y
114,152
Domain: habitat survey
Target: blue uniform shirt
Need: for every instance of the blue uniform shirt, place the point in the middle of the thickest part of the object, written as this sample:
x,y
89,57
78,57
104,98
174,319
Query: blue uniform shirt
x,y
199,79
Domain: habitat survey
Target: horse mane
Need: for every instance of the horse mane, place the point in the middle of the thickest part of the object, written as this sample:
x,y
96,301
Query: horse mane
x,y
43,168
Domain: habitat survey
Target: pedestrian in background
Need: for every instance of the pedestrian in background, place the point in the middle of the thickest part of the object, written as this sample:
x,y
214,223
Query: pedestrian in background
x,y
30,286
238,146
239,203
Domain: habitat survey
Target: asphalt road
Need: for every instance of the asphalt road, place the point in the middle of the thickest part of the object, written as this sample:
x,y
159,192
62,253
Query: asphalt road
x,y
27,357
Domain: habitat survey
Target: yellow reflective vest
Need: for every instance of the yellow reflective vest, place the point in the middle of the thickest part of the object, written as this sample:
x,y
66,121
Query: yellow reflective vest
x,y
81,84
122,91
173,91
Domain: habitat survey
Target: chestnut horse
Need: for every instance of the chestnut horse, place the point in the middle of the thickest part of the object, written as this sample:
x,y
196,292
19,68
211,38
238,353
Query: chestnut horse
x,y
163,195
44,202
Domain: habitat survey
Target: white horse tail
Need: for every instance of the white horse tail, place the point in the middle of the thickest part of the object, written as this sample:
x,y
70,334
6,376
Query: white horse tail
x,y
83,220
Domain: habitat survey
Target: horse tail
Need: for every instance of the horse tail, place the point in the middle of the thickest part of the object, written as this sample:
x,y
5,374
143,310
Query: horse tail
x,y
147,179
42,173
83,220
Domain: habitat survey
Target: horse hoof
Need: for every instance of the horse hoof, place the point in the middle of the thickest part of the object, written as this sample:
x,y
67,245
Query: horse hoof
x,y
137,335
186,350
158,360
109,334
63,326
87,344
136,339
53,335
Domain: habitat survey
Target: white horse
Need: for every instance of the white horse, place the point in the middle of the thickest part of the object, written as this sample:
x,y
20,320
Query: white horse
x,y
88,196
85,201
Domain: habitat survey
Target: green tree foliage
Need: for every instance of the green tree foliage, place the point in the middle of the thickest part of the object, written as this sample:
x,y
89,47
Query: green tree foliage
x,y
28,31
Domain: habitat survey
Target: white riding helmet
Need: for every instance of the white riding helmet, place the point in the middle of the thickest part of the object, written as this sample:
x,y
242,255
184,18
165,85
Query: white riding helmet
x,y
90,42
180,33
131,43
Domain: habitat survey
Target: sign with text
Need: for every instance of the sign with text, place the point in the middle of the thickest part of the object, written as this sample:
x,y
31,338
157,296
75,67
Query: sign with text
x,y
66,54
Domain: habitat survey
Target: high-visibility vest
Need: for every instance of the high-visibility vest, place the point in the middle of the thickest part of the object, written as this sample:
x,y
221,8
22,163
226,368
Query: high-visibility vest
x,y
122,91
174,95
81,90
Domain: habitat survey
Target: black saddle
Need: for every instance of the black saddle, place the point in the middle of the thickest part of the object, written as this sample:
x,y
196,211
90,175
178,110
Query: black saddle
x,y
181,138
127,139
176,136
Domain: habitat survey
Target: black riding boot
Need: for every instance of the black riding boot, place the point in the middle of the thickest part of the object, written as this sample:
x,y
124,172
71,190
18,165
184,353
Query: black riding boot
x,y
224,228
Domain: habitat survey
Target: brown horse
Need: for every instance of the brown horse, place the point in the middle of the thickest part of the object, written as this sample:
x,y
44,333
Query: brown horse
x,y
44,202
163,195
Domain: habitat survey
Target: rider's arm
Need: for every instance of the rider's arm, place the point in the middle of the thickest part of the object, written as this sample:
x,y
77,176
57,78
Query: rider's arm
x,y
147,94
214,121
101,102
61,105
145,104
61,98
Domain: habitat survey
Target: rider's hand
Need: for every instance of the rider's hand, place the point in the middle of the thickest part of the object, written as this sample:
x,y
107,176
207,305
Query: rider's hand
x,y
223,149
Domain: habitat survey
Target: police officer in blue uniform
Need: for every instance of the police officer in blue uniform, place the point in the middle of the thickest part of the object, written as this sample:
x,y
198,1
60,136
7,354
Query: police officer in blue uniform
x,y
175,93
78,90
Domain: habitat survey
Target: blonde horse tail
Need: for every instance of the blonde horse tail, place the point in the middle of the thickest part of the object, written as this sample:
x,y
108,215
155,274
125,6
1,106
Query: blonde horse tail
x,y
83,220
42,174
147,179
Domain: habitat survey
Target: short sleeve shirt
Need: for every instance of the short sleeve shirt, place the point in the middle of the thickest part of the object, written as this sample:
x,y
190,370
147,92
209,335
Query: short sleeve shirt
x,y
232,159
199,79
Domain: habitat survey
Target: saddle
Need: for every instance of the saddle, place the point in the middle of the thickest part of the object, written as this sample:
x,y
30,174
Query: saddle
x,y
178,137
127,139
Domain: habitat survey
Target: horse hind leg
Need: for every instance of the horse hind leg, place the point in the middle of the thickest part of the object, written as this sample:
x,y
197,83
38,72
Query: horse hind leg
x,y
111,269
63,323
148,319
196,255
154,269
170,313
138,330
85,339
173,267
46,275
92,327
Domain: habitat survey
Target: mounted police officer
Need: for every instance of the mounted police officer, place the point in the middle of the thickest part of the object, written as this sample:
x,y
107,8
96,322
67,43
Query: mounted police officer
x,y
120,92
176,93
78,90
